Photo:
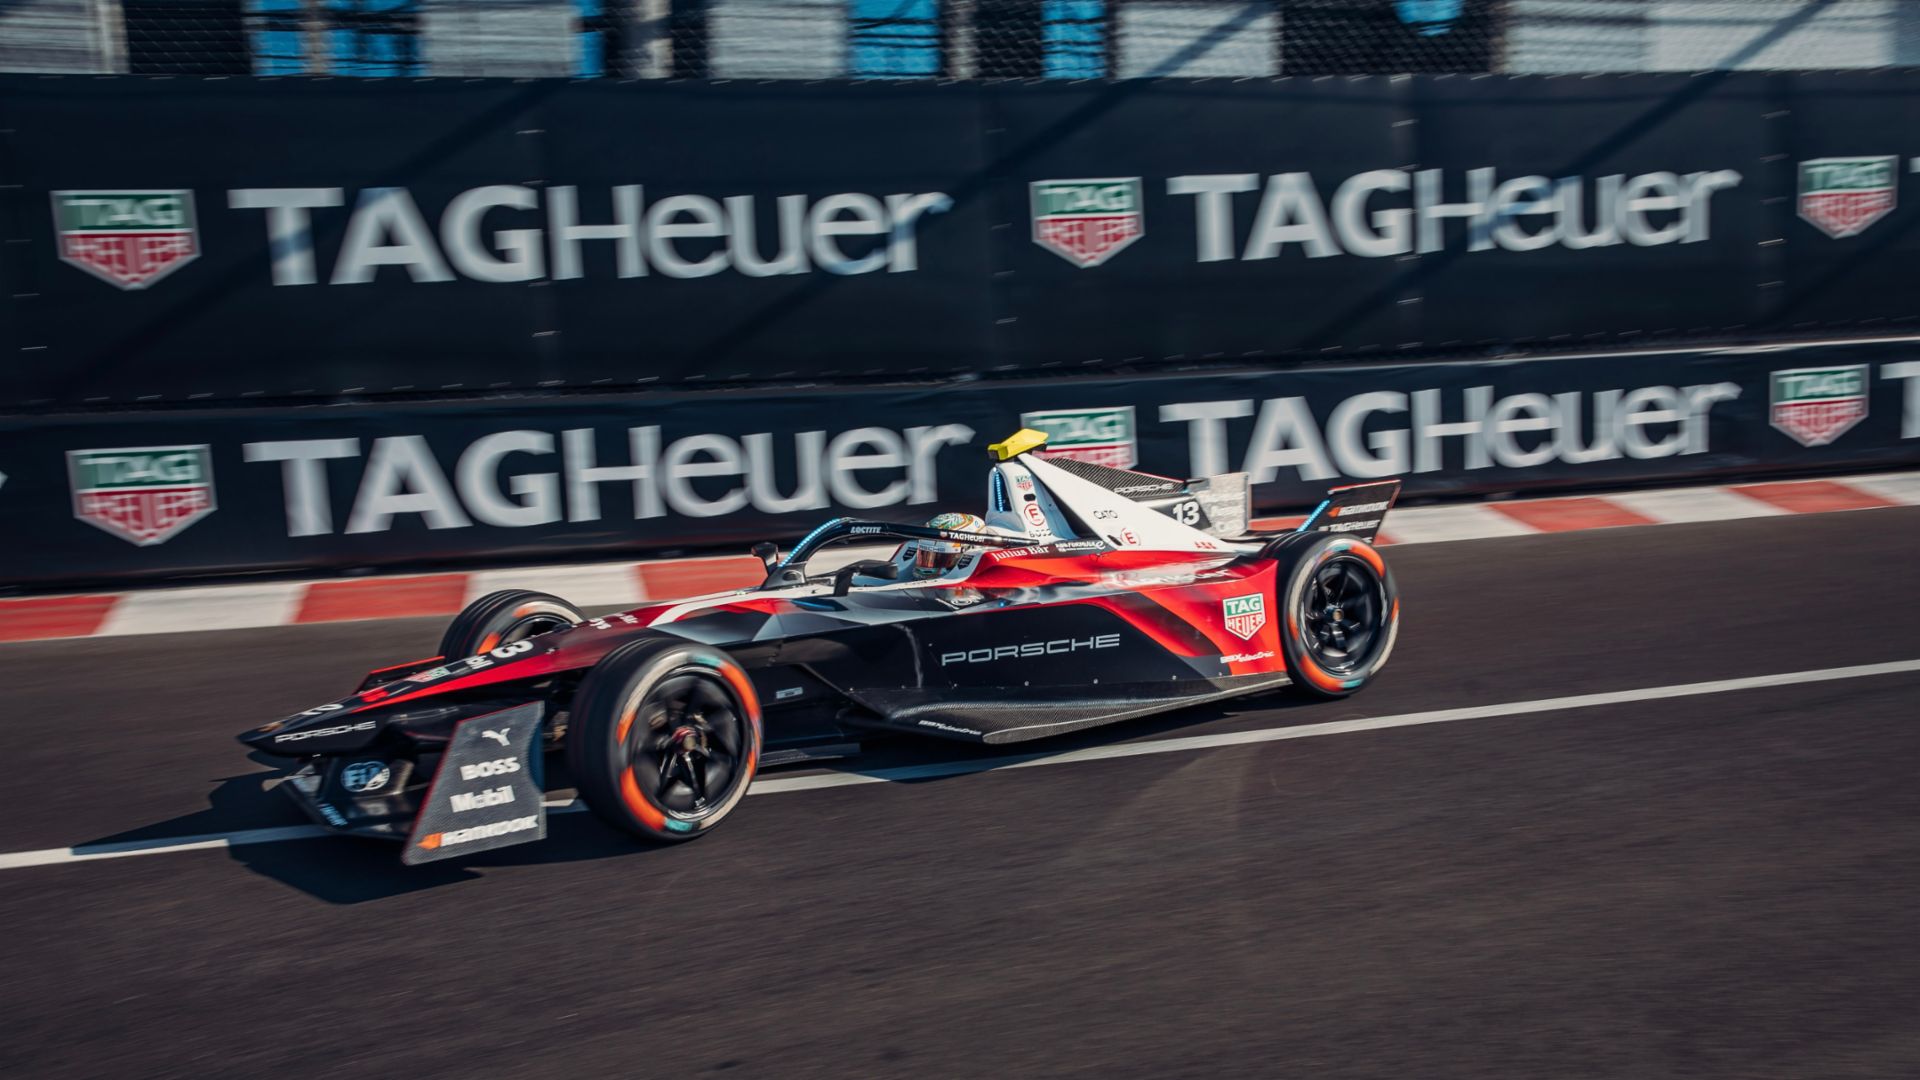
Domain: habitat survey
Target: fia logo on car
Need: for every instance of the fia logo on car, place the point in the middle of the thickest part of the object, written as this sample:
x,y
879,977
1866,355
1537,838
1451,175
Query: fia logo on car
x,y
362,777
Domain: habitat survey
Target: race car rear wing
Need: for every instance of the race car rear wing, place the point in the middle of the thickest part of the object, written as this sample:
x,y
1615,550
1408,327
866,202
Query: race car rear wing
x,y
1356,510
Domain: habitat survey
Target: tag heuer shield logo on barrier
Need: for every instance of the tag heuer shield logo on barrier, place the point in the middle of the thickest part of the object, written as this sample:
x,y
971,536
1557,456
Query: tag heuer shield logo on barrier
x,y
1101,436
1245,615
1087,221
142,494
129,238
1842,196
1815,406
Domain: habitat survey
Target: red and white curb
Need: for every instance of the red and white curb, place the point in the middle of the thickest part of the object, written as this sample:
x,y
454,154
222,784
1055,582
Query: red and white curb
x,y
626,584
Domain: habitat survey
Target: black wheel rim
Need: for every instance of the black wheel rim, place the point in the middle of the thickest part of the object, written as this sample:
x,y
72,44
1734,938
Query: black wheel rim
x,y
1343,613
534,626
687,744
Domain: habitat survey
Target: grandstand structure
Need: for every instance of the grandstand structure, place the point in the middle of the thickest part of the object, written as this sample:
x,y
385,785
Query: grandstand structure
x,y
916,39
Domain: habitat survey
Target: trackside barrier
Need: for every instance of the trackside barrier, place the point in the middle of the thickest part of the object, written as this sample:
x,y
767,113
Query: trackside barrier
x,y
101,498
190,240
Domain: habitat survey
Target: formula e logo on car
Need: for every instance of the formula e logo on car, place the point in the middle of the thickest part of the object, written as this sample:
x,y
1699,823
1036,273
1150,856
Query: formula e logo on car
x,y
142,494
362,777
1087,222
483,769
1814,406
1031,649
1245,615
126,238
1842,196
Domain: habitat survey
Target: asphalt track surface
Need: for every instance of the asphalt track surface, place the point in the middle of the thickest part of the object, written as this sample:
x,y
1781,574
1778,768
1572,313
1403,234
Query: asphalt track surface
x,y
1714,885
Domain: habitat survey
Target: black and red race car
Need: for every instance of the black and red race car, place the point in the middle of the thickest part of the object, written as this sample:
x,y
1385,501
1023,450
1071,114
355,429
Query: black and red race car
x,y
1086,595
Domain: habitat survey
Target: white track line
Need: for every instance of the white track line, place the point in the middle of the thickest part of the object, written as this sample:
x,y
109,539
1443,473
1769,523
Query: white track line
x,y
779,785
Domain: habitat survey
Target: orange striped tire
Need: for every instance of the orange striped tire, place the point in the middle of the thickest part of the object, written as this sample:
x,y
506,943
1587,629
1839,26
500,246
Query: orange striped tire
x,y
1299,559
503,617
631,764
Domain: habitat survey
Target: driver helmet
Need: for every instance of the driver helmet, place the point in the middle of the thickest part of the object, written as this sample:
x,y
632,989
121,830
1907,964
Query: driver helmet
x,y
932,558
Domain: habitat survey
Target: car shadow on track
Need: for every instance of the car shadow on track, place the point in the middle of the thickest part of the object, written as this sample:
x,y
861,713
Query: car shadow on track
x,y
354,870
896,759
348,869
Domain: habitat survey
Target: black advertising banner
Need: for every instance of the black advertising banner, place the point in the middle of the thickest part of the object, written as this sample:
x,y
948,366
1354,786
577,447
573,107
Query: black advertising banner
x,y
822,231
222,240
184,238
1564,211
95,498
1853,244
1184,221
187,240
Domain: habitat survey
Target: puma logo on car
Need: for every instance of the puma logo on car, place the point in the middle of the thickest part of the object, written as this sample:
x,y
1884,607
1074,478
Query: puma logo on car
x,y
497,736
1031,649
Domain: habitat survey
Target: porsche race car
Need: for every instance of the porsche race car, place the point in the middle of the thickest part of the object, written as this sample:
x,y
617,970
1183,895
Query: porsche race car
x,y
1088,595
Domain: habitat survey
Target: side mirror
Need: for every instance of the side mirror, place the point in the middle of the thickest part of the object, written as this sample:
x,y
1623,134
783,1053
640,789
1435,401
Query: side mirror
x,y
843,577
767,552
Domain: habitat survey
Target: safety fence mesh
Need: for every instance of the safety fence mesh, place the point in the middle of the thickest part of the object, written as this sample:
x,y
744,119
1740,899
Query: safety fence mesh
x,y
893,39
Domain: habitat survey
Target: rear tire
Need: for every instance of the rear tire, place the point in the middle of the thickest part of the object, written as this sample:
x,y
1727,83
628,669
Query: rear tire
x,y
504,617
1340,611
664,738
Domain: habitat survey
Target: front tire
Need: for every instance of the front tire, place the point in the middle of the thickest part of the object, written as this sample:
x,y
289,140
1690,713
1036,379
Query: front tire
x,y
1341,611
664,738
504,617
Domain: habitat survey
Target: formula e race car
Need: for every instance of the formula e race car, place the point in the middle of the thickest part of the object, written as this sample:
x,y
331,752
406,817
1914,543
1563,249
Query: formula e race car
x,y
1086,595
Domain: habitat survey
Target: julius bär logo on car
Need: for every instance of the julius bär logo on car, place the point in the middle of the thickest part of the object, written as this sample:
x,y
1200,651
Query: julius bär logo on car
x,y
1842,196
1815,406
142,494
1101,436
126,238
1087,222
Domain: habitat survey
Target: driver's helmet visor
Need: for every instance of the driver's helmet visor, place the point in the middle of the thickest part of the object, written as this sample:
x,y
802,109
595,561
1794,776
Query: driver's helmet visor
x,y
928,560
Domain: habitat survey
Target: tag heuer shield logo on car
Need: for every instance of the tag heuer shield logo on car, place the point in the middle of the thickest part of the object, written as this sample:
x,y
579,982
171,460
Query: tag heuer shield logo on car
x,y
1087,221
143,494
1842,196
1102,436
1245,615
1817,405
129,238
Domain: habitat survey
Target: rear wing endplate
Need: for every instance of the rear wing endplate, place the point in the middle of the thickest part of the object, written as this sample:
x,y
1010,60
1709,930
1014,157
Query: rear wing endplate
x,y
1355,510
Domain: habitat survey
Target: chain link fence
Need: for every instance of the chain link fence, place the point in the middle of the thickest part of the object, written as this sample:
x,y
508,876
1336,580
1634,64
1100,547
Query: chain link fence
x,y
894,39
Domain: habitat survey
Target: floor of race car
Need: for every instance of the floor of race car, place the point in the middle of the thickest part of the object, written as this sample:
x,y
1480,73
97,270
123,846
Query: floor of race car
x,y
1460,873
